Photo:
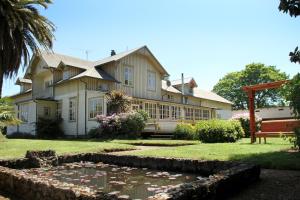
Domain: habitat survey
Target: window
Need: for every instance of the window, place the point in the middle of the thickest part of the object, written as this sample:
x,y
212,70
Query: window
x,y
205,114
186,100
59,109
176,112
128,76
47,83
170,97
164,111
66,74
150,108
47,111
198,114
24,112
151,80
189,112
95,107
72,109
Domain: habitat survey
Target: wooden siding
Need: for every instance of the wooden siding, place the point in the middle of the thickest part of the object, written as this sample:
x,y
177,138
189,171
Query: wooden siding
x,y
141,65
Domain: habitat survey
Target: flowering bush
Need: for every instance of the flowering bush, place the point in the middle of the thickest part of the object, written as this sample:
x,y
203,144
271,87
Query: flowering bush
x,y
120,125
244,118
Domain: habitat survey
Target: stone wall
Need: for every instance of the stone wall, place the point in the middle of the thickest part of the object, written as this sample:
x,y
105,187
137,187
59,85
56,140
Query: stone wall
x,y
222,178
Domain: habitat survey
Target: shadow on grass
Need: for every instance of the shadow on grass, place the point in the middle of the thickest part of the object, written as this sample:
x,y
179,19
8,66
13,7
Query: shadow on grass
x,y
272,160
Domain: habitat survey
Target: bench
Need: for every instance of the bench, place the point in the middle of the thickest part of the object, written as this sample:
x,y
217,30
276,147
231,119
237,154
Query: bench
x,y
277,128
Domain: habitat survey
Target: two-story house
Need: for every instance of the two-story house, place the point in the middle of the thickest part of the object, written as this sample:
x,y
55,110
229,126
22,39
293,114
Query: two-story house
x,y
60,86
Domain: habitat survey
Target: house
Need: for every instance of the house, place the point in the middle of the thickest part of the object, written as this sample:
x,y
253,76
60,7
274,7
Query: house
x,y
60,86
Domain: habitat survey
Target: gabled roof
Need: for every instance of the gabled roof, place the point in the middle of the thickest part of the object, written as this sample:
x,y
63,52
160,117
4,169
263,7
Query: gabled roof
x,y
95,72
23,80
187,80
126,53
55,59
170,88
209,95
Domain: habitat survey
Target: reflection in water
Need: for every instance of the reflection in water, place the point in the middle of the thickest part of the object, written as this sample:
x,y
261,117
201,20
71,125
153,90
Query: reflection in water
x,y
135,182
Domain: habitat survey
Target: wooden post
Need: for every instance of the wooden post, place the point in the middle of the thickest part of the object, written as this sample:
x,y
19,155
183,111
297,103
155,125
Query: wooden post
x,y
251,95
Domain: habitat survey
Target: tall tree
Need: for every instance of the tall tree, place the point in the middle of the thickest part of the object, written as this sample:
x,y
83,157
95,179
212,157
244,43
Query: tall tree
x,y
230,86
292,7
22,29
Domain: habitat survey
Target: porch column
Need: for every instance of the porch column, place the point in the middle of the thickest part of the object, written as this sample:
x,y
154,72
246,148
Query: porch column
x,y
251,95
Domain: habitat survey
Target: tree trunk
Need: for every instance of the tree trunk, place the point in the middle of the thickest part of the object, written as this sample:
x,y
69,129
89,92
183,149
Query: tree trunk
x,y
1,82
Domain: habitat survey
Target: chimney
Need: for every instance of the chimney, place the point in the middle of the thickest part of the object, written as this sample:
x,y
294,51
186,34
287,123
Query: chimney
x,y
182,87
112,53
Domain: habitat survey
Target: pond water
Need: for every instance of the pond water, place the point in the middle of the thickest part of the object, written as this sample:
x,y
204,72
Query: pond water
x,y
135,183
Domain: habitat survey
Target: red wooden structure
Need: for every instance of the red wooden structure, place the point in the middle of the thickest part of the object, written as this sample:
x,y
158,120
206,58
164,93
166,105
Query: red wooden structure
x,y
251,95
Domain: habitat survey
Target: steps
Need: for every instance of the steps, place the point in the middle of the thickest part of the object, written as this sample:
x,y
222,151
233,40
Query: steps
x,y
160,136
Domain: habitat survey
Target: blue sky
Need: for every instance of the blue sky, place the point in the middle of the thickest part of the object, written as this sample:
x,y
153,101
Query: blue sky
x,y
203,39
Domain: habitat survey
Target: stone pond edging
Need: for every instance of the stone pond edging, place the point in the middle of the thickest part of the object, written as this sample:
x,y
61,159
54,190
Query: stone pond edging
x,y
222,178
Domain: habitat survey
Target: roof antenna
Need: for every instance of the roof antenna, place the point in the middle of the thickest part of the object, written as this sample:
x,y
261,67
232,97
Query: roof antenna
x,y
87,54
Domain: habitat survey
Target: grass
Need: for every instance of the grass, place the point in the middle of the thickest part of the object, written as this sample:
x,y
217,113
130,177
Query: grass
x,y
16,148
270,155
157,142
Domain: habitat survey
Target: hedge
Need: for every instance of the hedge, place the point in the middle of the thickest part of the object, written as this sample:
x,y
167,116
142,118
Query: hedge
x,y
213,131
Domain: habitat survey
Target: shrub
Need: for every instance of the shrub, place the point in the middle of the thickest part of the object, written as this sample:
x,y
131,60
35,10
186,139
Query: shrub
x,y
94,133
184,131
121,125
213,131
49,128
245,122
297,138
293,95
21,135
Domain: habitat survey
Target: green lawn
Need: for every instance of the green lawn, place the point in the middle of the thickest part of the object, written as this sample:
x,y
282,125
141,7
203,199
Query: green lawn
x,y
270,155
16,148
157,142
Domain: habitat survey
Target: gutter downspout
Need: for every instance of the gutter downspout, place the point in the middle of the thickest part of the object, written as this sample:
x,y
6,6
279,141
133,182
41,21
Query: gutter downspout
x,y
182,88
77,109
36,115
85,107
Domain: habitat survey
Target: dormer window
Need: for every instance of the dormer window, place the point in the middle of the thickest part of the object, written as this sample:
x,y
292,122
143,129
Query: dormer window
x,y
191,90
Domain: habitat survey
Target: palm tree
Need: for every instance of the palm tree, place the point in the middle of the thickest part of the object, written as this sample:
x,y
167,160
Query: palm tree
x,y
117,102
22,30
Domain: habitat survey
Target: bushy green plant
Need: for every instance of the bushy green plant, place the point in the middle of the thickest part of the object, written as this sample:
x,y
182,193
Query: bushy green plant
x,y
49,128
184,131
117,102
94,133
21,135
212,131
128,125
293,95
245,122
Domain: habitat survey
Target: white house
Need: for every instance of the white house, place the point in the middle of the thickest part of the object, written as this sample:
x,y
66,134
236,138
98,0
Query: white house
x,y
60,86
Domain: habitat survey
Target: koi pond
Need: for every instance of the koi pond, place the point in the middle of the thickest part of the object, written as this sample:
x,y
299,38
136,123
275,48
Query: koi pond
x,y
128,182
95,176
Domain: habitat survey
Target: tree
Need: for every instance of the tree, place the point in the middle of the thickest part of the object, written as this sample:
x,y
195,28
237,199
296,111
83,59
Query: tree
x,y
7,114
22,29
292,7
117,102
230,86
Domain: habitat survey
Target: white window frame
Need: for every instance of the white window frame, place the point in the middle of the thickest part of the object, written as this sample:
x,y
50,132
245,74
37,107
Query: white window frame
x,y
198,113
96,107
23,111
59,109
176,112
72,109
164,111
150,108
151,80
205,114
128,75
189,113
